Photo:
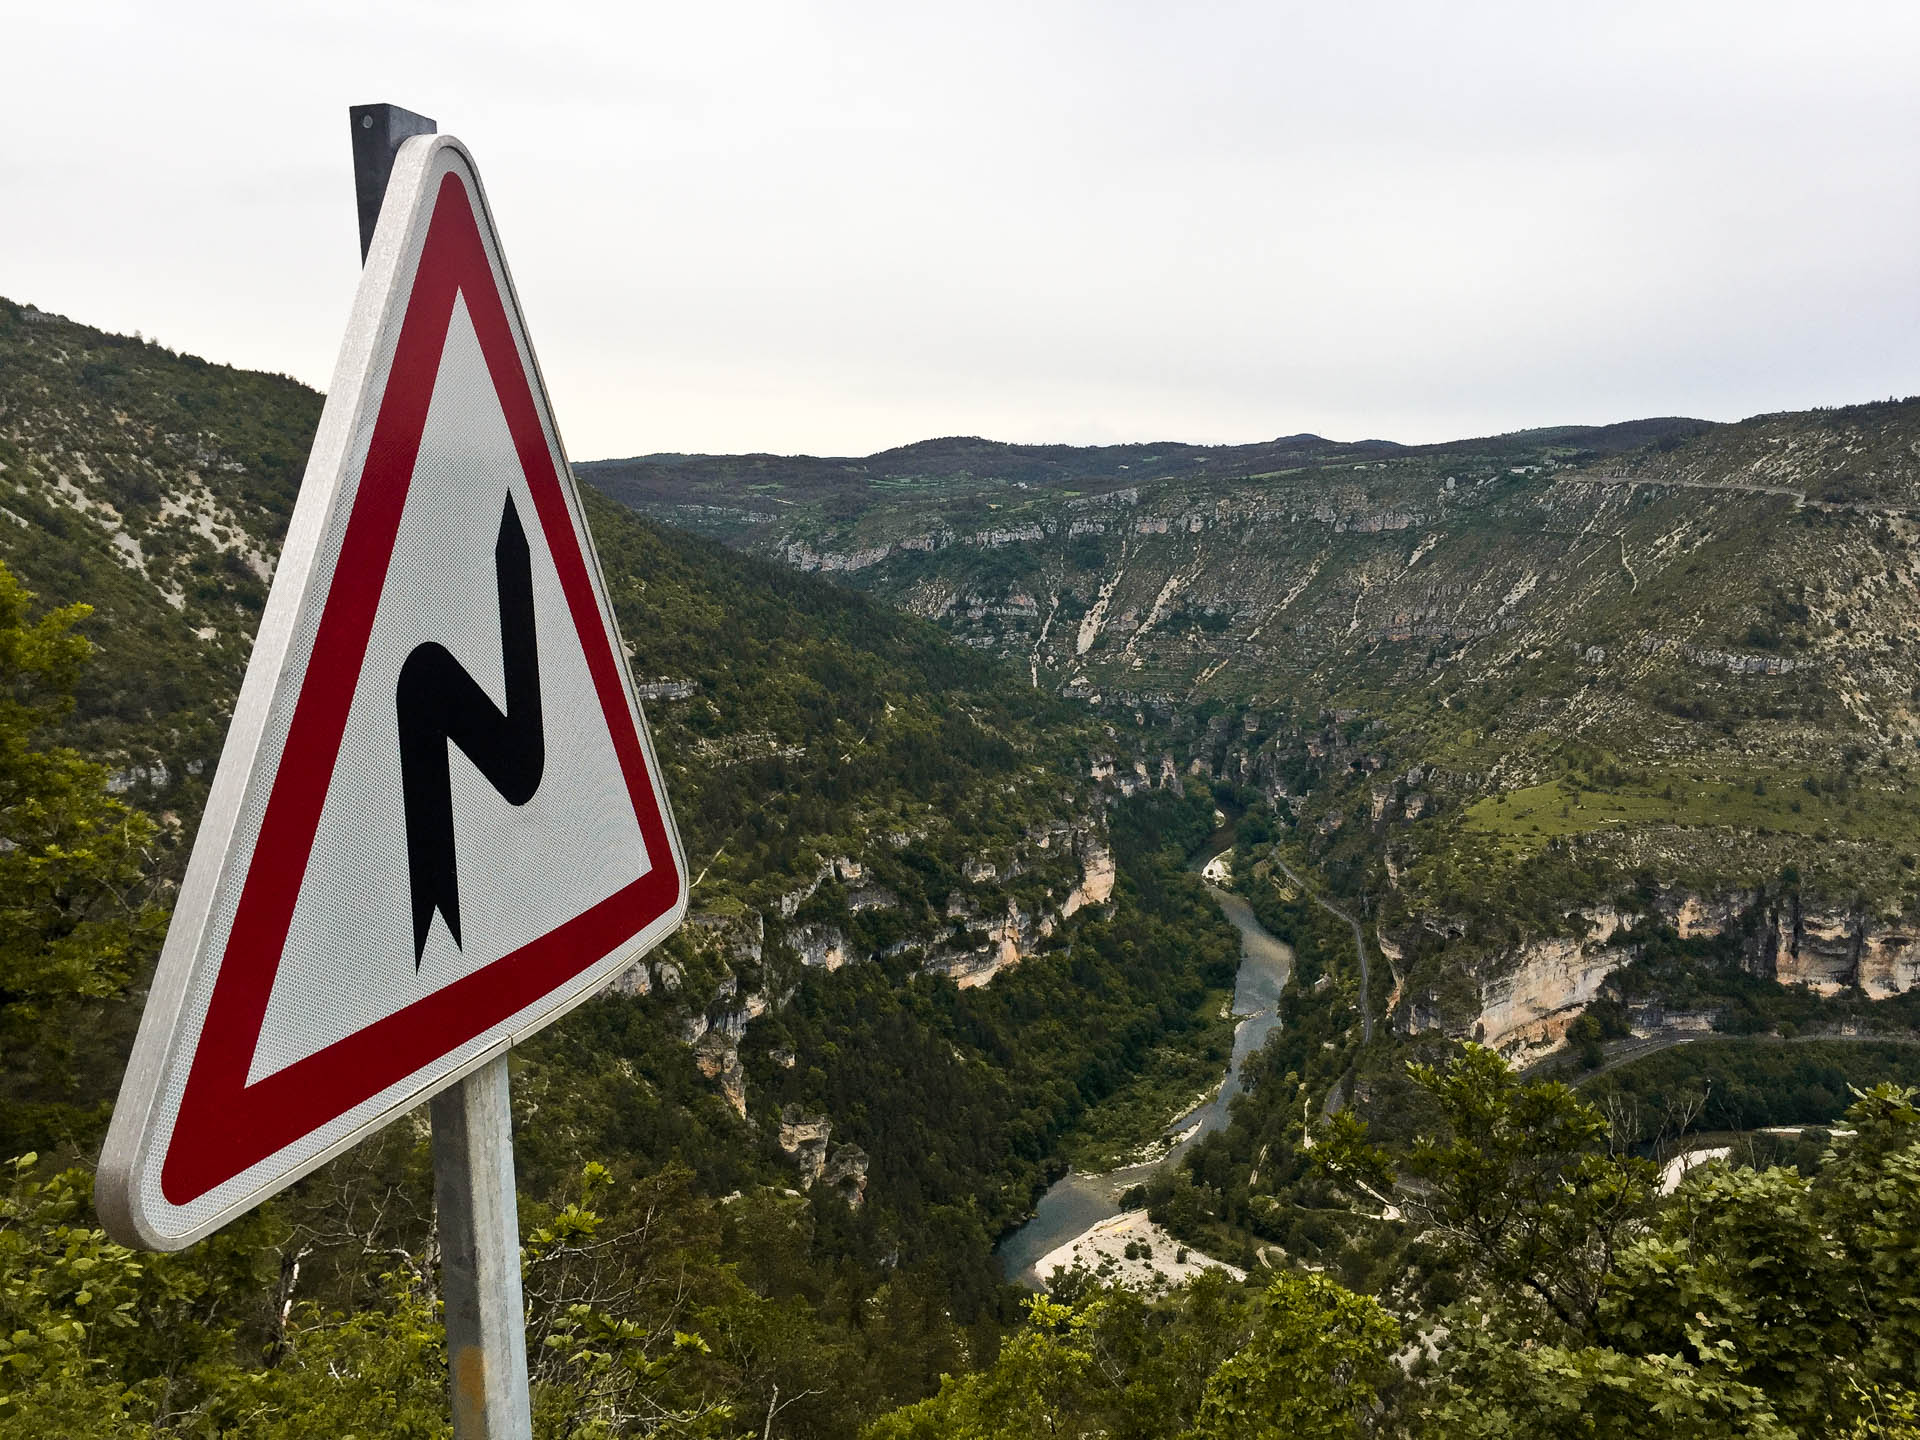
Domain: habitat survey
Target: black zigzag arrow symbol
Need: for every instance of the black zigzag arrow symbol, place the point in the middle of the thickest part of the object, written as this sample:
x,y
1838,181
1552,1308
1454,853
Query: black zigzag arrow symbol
x,y
439,703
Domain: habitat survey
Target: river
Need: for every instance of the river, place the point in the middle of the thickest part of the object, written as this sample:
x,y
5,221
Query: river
x,y
1076,1202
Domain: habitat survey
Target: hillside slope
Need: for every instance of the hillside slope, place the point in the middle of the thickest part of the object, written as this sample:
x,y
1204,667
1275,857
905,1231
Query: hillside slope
x,y
1510,694
923,948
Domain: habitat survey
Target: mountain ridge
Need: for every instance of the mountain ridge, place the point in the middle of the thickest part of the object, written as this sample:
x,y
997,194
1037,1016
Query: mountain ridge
x,y
1552,658
966,464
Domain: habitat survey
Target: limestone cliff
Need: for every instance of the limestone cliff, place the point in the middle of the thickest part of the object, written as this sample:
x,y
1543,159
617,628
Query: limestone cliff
x,y
1533,991
806,1140
987,929
1832,949
1544,985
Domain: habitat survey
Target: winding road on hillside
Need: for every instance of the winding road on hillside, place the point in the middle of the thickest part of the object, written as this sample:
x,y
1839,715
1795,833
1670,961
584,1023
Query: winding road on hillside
x,y
1359,944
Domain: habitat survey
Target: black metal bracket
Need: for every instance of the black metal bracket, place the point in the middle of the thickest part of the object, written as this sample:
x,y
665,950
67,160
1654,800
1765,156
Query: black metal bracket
x,y
377,133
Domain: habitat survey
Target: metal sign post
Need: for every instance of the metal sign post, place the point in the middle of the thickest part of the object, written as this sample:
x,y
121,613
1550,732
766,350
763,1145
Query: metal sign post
x,y
377,133
398,877
474,1200
474,1206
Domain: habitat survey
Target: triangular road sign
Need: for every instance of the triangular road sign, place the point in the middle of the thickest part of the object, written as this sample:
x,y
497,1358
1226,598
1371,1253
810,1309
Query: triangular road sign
x,y
438,822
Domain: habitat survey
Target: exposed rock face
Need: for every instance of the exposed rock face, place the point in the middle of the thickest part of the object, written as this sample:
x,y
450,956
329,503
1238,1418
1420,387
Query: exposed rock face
x,y
1010,939
838,1168
1832,950
1395,957
1014,934
823,947
846,1174
1828,950
1889,963
805,557
1696,916
636,979
803,1138
1096,881
1549,984
734,940
718,1056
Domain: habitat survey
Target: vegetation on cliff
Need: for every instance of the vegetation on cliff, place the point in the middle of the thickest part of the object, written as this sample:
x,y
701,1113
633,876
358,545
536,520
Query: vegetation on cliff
x,y
944,939
836,768
1546,1289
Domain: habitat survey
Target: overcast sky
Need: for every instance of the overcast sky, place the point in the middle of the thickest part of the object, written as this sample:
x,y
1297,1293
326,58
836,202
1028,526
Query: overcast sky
x,y
838,227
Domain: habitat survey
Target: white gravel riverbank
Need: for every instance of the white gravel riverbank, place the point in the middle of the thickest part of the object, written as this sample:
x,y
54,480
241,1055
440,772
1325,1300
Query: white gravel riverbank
x,y
1156,1261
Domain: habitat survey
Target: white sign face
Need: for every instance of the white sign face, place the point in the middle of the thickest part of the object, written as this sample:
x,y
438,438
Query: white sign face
x,y
438,822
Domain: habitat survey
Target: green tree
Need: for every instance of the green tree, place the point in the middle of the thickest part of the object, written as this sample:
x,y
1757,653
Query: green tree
x,y
1522,1180
1212,1360
1500,1383
1313,1368
73,921
1752,1303
64,1289
1807,1290
1043,1384
379,1371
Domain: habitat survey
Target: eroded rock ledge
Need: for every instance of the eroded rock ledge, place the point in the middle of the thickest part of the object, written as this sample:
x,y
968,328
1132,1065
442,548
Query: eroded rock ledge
x,y
806,1140
1531,993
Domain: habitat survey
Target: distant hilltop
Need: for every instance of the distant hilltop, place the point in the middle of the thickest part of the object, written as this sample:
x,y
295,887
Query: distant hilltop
x,y
965,464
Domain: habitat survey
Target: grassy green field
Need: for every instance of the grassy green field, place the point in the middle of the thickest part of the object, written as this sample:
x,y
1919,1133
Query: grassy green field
x,y
1525,819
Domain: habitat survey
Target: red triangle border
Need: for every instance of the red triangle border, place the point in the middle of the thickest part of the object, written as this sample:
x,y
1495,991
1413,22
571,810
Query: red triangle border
x,y
224,1125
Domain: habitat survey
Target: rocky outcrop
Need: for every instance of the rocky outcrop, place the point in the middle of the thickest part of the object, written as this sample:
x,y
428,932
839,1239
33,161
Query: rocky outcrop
x,y
803,1140
847,871
803,556
1096,879
846,1174
821,947
806,1140
1545,984
1829,950
1395,957
1014,934
1889,963
871,897
1722,659
1011,937
1695,917
703,981
717,1054
636,979
731,939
